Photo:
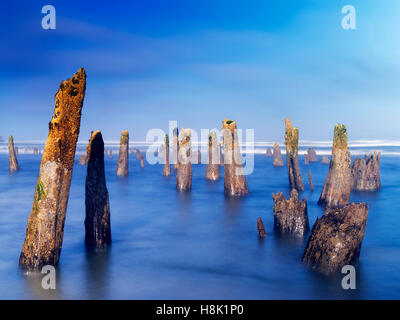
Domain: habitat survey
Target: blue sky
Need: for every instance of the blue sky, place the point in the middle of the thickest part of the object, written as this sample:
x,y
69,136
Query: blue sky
x,y
199,62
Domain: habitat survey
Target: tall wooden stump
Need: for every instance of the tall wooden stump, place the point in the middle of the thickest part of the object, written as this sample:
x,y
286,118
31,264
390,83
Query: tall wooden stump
x,y
167,166
235,183
123,157
337,187
12,155
44,234
184,174
292,158
97,221
213,163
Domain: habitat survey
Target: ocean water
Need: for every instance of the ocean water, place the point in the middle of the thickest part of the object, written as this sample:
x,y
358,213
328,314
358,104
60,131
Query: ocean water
x,y
199,245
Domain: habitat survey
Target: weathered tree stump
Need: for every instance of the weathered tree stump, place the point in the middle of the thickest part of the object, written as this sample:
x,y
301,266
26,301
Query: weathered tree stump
x,y
336,238
44,234
312,155
337,187
260,228
213,163
140,157
123,156
292,146
184,172
365,173
235,183
310,180
306,161
166,166
97,221
175,148
12,155
278,162
290,216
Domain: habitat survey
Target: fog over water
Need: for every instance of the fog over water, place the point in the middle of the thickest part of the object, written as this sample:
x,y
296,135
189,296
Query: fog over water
x,y
199,245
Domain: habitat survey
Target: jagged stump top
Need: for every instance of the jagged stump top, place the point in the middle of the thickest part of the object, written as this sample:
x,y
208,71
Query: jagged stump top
x,y
124,137
64,126
89,146
229,124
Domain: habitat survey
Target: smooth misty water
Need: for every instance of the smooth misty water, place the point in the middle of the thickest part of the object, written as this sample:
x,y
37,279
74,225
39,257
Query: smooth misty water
x,y
194,246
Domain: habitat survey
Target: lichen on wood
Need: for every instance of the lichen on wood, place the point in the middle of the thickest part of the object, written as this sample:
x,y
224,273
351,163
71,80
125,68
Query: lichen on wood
x,y
45,230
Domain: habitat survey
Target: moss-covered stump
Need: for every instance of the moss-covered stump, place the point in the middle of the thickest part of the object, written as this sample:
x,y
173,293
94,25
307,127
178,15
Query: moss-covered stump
x,y
44,234
97,221
167,165
175,148
365,173
12,156
337,187
123,156
260,228
235,183
184,171
213,161
290,216
292,158
336,238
